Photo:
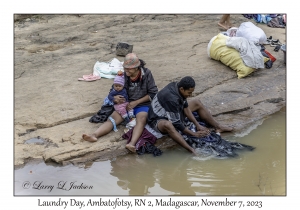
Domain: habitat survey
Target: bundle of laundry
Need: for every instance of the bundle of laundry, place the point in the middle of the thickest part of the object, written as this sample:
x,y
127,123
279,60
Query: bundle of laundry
x,y
109,69
272,20
102,115
249,31
278,22
213,144
238,53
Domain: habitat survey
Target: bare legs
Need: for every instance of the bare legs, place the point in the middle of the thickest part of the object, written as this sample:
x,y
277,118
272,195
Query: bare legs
x,y
104,129
141,119
225,22
107,127
196,106
166,126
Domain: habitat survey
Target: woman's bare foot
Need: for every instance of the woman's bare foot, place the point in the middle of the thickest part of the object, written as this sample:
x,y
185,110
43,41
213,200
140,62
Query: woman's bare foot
x,y
221,129
223,25
131,148
90,138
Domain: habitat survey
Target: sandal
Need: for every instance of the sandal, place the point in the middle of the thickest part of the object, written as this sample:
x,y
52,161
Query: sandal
x,y
273,44
89,78
277,48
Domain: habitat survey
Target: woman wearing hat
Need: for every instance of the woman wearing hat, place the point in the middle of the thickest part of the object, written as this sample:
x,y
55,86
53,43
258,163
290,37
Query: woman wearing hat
x,y
141,89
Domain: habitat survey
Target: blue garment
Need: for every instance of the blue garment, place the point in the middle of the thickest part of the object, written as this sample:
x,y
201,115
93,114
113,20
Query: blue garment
x,y
258,18
113,93
266,18
137,110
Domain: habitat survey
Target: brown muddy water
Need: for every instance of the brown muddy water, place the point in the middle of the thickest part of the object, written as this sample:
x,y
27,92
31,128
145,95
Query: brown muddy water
x,y
176,172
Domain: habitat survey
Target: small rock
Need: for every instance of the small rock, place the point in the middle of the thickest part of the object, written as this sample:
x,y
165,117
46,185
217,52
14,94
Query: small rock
x,y
41,51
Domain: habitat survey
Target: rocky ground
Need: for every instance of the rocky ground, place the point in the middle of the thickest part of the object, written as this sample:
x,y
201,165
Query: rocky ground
x,y
52,51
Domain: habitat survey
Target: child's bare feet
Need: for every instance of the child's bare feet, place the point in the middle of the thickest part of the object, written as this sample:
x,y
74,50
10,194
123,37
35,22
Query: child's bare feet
x,y
90,138
130,148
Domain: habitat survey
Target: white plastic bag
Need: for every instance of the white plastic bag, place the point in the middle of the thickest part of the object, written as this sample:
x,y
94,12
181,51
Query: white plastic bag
x,y
108,69
251,32
231,32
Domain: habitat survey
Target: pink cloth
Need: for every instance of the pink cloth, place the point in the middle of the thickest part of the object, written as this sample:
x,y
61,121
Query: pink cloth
x,y
121,108
146,136
89,78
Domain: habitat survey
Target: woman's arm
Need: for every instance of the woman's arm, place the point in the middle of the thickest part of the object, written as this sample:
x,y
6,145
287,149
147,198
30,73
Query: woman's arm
x,y
133,104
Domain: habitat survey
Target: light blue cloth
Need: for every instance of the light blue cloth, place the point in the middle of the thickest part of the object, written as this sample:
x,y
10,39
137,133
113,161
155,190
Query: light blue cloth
x,y
114,124
258,18
266,18
107,102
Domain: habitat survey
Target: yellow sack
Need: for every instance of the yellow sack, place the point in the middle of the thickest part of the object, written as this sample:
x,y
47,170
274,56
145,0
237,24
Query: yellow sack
x,y
229,56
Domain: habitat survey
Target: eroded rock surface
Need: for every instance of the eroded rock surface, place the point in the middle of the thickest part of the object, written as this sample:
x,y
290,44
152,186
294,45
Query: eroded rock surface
x,y
53,51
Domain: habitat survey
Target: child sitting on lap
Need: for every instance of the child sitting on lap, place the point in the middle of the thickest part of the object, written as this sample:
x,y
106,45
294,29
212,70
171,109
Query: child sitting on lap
x,y
118,89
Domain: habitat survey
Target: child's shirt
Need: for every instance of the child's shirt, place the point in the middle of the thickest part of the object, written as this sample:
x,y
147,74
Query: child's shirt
x,y
113,93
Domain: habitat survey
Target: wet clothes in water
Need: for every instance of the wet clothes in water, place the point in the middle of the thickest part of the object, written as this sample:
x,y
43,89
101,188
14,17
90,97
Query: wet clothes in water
x,y
212,144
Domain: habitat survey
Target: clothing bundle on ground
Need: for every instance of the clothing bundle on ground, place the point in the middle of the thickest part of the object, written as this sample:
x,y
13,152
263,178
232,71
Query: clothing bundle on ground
x,y
240,49
108,69
272,20
104,69
102,115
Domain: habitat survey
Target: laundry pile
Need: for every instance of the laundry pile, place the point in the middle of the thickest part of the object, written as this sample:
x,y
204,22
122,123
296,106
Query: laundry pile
x,y
272,20
242,49
103,114
103,69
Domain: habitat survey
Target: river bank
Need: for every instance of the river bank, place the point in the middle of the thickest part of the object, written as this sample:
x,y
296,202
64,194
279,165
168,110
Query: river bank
x,y
253,173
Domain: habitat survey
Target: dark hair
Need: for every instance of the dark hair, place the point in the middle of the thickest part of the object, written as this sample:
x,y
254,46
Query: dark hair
x,y
186,83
